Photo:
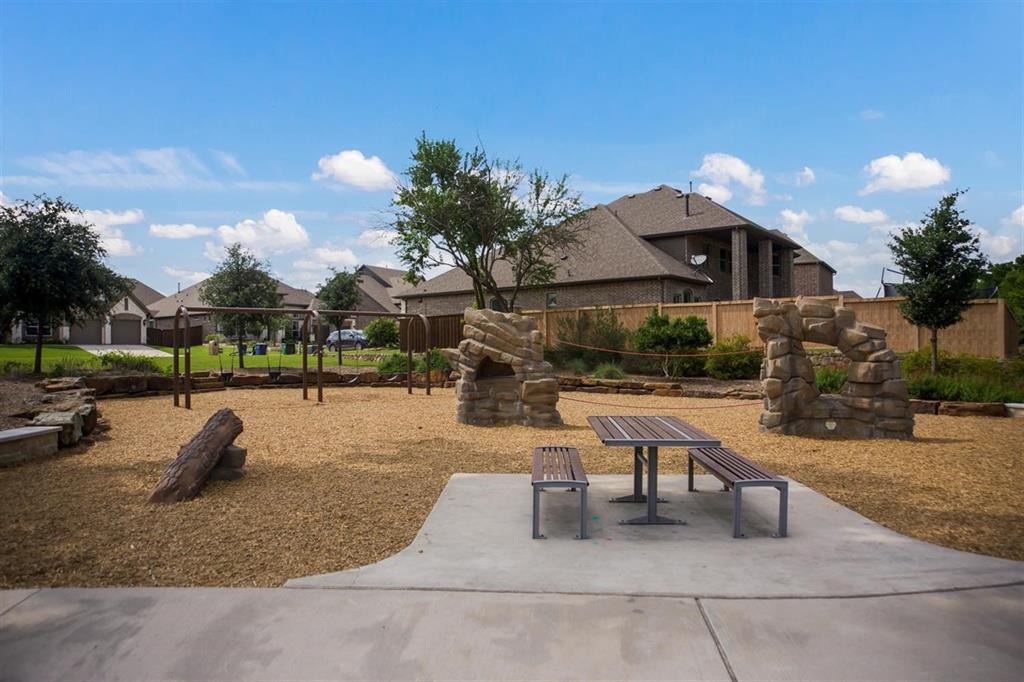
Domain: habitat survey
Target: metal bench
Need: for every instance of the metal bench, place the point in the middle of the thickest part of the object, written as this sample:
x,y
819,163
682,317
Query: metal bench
x,y
737,472
558,466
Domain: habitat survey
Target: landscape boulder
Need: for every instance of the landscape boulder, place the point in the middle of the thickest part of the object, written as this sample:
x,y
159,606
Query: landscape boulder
x,y
70,423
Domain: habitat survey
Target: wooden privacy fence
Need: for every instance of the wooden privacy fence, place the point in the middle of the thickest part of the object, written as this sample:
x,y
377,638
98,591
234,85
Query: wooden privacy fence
x,y
165,337
988,327
445,332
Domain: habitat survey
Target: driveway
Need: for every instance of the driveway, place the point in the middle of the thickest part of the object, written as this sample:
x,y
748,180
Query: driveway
x,y
100,349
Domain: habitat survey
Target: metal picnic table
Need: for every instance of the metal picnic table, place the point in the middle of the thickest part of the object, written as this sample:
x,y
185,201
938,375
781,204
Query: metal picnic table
x,y
652,433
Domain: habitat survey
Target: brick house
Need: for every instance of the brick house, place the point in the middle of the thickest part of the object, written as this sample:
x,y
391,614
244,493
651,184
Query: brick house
x,y
661,246
811,275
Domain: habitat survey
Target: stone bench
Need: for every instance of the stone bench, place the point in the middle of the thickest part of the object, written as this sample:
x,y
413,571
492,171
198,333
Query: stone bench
x,y
27,442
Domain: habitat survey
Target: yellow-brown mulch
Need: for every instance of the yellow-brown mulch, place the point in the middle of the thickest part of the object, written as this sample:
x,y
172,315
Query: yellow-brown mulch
x,y
349,482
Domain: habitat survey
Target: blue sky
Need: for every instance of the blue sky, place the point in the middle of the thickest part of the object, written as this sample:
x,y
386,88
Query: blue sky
x,y
183,127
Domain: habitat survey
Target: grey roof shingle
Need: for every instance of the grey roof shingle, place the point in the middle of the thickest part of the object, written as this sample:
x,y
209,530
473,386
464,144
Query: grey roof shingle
x,y
805,257
381,285
144,294
611,252
190,296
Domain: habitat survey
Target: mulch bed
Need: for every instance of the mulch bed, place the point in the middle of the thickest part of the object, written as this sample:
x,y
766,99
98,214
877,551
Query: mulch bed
x,y
349,482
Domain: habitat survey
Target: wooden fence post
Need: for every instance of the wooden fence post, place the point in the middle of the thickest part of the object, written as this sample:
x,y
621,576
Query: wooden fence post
x,y
714,321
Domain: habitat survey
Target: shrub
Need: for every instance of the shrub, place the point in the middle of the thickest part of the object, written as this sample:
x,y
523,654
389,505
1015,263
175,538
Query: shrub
x,y
829,379
608,370
10,367
599,328
437,361
382,333
68,366
738,366
394,363
966,388
659,334
128,362
575,366
961,364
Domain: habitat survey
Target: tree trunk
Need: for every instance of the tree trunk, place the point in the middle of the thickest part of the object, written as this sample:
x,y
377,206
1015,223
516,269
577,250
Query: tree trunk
x,y
184,477
241,353
935,351
38,367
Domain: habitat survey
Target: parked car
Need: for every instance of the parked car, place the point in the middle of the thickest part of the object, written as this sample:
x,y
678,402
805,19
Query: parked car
x,y
346,338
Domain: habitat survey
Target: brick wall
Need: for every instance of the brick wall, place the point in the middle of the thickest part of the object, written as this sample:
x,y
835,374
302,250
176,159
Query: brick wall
x,y
812,279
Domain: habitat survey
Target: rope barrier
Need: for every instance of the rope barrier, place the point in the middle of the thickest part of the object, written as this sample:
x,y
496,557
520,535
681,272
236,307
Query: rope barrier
x,y
659,355
748,403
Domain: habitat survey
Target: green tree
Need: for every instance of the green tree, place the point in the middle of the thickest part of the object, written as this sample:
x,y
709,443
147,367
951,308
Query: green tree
x,y
483,216
242,281
1008,280
382,333
679,335
51,267
942,263
340,291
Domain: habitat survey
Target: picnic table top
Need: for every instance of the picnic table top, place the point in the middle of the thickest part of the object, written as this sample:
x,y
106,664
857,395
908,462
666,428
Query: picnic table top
x,y
650,431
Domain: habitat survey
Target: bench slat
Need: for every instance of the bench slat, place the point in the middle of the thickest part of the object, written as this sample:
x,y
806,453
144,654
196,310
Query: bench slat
x,y
557,463
729,466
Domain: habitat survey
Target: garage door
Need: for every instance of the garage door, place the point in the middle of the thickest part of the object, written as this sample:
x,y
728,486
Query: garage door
x,y
125,331
89,331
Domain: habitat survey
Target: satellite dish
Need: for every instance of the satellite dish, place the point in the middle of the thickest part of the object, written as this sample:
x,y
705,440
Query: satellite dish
x,y
699,259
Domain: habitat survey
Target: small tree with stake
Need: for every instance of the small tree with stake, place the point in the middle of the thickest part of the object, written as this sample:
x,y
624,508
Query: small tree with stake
x,y
242,281
941,261
339,292
51,267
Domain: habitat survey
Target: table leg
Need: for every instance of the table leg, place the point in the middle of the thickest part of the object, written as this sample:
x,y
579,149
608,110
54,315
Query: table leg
x,y
652,517
638,480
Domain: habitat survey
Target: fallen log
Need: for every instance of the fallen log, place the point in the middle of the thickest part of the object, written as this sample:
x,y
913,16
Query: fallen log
x,y
184,477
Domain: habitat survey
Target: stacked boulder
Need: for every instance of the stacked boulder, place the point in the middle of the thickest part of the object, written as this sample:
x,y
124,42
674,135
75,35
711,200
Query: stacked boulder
x,y
503,376
68,404
873,402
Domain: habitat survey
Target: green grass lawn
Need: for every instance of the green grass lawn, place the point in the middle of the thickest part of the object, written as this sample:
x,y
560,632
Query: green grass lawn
x,y
70,359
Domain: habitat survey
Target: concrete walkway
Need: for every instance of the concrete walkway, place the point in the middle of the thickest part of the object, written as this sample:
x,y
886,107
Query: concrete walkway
x,y
130,349
473,597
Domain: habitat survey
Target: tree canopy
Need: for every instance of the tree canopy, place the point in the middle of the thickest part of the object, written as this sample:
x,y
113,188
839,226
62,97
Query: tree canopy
x,y
1008,281
51,267
242,281
340,291
942,263
505,228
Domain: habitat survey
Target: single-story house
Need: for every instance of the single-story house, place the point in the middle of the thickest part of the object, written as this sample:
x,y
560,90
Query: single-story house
x,y
163,310
125,323
661,246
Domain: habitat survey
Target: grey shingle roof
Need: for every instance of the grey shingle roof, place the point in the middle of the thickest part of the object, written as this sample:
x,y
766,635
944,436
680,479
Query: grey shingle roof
x,y
611,252
144,294
805,257
380,285
190,296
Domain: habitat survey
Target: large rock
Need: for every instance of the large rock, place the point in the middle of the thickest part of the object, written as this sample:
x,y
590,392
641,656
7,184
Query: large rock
x,y
70,424
965,409
61,384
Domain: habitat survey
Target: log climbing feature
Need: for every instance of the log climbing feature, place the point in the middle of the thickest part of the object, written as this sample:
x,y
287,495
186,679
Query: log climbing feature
x,y
185,476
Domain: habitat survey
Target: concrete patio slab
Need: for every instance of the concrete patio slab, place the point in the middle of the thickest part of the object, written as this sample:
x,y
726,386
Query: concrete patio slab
x,y
266,634
131,349
477,537
967,635
11,598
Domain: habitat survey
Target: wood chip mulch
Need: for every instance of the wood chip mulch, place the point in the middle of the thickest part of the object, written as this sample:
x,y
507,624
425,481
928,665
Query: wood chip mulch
x,y
349,482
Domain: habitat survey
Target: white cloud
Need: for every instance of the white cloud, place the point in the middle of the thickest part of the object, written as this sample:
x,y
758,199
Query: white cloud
x,y
1015,219
328,256
913,171
5,200
168,167
190,276
856,214
718,193
794,224
871,114
724,169
229,161
805,177
376,238
276,232
351,167
996,245
179,231
104,224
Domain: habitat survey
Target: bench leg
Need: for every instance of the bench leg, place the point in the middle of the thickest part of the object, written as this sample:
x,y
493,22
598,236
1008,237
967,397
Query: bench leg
x,y
737,509
583,513
689,474
536,514
783,509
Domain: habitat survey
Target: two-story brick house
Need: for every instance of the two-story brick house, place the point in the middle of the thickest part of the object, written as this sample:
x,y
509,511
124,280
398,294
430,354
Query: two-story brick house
x,y
661,246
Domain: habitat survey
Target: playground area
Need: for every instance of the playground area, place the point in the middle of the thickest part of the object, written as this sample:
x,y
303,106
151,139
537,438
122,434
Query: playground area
x,y
349,482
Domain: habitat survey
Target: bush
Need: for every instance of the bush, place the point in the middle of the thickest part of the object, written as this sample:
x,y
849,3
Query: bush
x,y
608,370
398,363
962,364
437,361
575,366
659,334
600,328
382,333
966,388
829,379
10,367
69,366
738,366
128,362
392,364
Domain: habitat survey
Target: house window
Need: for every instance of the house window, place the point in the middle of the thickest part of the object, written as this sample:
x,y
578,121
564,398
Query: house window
x,y
688,296
677,298
126,303
725,260
552,300
32,330
776,263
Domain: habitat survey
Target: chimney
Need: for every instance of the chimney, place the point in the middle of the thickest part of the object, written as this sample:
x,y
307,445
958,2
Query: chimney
x,y
688,204
179,287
